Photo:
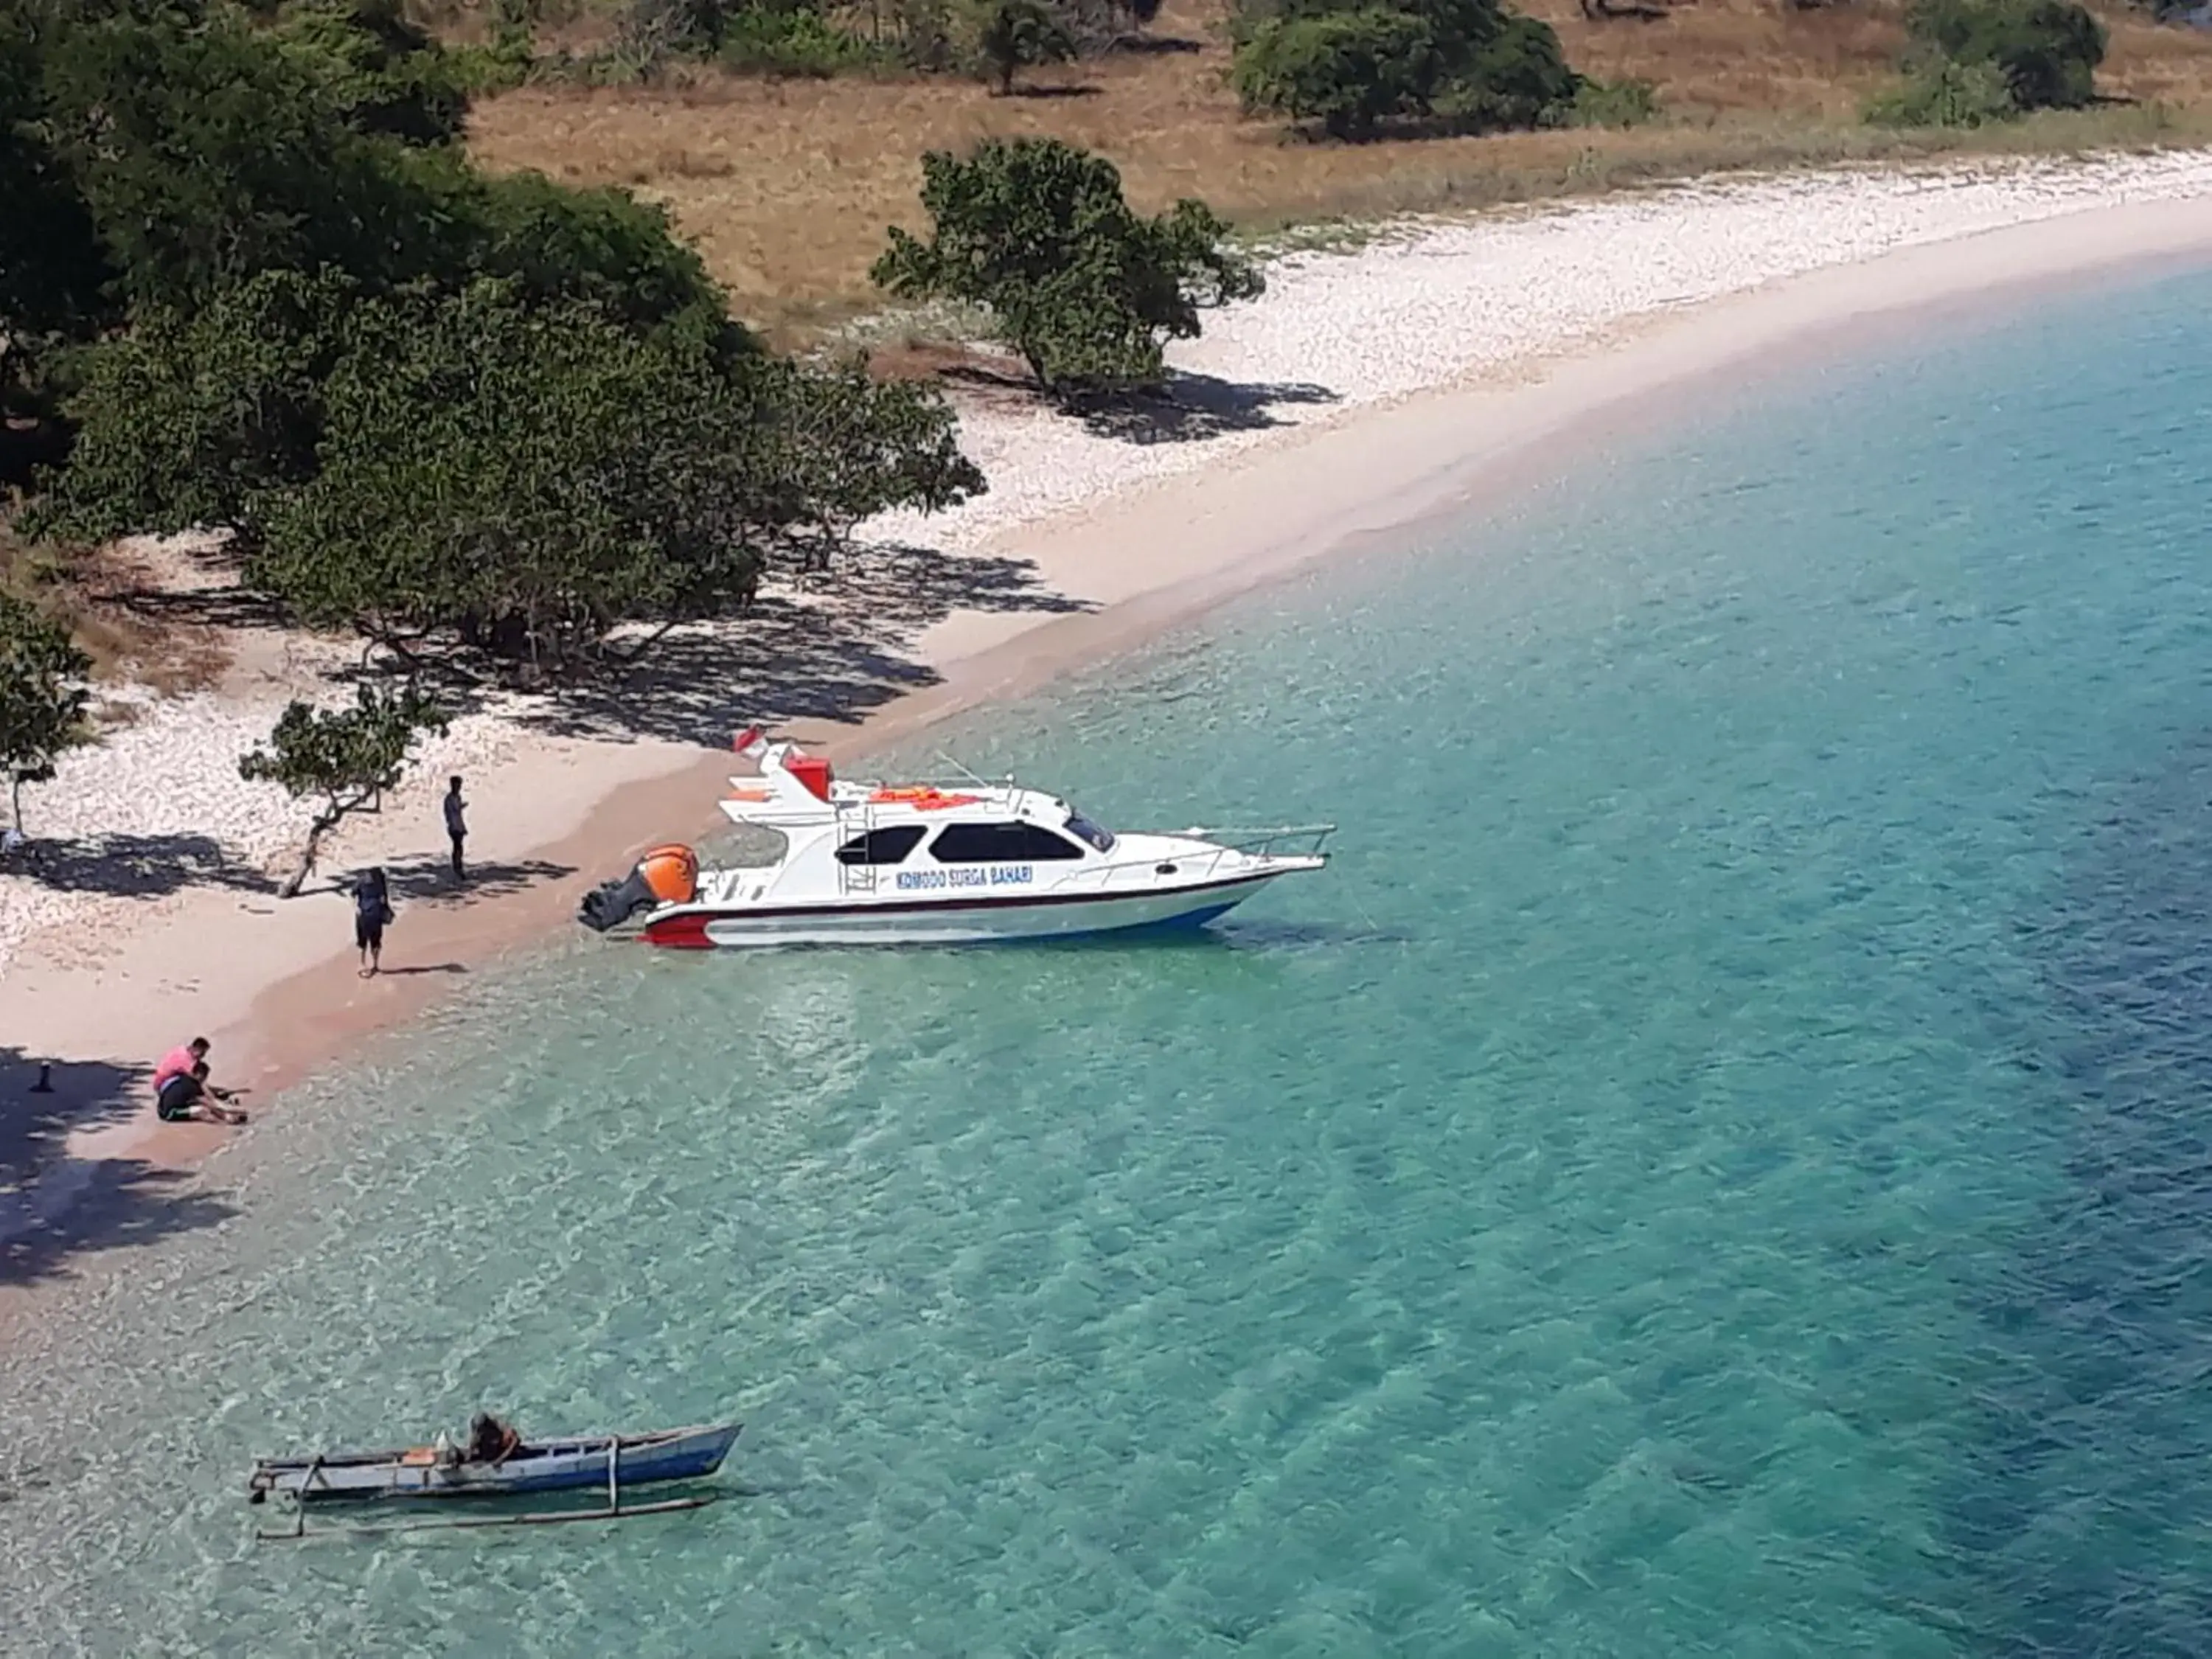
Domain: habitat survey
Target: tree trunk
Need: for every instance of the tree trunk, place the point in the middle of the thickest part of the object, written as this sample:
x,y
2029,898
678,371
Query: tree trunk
x,y
322,826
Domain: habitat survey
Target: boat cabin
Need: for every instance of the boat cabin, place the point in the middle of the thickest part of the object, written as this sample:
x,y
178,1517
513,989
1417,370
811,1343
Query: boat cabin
x,y
915,838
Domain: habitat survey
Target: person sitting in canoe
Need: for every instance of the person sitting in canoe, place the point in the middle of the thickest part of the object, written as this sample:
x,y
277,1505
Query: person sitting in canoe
x,y
491,1441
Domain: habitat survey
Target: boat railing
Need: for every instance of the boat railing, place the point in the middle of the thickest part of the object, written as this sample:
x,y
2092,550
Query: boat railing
x,y
1289,840
1305,840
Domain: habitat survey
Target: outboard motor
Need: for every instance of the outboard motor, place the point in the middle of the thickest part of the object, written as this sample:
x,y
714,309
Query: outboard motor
x,y
611,903
667,875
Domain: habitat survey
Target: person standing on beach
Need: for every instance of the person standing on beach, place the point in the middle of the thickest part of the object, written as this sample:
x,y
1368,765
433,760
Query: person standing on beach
x,y
457,829
372,915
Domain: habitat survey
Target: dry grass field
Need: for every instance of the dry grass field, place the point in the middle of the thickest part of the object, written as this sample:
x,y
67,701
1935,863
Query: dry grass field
x,y
787,185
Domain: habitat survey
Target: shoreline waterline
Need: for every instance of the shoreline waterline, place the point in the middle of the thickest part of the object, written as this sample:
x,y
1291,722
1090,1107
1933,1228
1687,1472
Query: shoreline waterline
x,y
1202,538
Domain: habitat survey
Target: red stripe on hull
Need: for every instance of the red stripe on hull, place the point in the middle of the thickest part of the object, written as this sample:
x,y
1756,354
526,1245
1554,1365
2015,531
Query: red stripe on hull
x,y
687,932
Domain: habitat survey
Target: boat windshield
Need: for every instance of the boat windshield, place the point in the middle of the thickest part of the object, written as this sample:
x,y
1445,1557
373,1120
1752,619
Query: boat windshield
x,y
1081,826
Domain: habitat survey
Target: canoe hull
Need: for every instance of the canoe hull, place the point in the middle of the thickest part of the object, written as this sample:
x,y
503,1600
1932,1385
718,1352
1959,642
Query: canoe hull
x,y
572,1464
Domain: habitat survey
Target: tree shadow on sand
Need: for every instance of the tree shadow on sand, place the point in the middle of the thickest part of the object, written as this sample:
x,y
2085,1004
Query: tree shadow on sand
x,y
1197,407
233,605
133,866
54,1207
831,654
430,880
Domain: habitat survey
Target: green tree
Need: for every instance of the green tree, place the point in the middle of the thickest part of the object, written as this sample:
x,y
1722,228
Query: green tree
x,y
1088,292
2048,50
1006,36
342,760
380,72
511,475
525,480
1349,66
448,410
1345,71
53,274
42,696
187,419
840,447
204,154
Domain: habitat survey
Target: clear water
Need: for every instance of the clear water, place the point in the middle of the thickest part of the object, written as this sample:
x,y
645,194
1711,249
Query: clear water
x,y
1722,1163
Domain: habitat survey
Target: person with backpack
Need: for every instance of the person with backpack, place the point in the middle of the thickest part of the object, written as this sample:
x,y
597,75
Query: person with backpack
x,y
372,915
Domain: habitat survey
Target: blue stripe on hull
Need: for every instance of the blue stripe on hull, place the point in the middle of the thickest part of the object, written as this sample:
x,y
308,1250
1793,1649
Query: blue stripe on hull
x,y
644,1473
1189,921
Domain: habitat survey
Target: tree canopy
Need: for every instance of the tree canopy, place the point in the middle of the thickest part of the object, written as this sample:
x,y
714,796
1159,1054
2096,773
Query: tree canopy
x,y
2047,50
454,411
1971,62
1085,289
1351,67
485,469
42,696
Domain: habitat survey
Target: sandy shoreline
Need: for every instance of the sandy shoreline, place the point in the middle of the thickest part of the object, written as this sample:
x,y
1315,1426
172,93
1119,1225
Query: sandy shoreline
x,y
1370,390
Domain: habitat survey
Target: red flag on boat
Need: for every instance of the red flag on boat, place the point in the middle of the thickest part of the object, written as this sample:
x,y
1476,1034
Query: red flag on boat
x,y
747,738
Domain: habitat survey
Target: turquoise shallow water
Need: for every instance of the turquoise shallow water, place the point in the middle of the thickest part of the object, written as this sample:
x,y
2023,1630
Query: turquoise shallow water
x,y
1719,1164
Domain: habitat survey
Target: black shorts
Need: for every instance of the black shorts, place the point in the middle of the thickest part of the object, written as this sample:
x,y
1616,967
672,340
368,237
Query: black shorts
x,y
174,1104
368,935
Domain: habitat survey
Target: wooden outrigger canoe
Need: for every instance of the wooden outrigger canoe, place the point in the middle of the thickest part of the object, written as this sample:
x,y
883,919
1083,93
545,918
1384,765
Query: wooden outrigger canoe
x,y
433,1474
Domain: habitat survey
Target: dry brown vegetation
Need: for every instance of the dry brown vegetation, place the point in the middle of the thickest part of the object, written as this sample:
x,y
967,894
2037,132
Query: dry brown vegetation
x,y
788,187
101,597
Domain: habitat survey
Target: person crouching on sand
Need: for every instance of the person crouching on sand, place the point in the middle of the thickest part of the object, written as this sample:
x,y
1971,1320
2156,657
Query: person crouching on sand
x,y
188,1098
180,1060
372,915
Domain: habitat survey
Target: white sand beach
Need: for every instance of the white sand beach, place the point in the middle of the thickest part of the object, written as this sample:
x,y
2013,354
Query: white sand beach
x,y
1369,386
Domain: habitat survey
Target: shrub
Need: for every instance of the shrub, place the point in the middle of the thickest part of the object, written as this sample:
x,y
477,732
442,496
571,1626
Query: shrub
x,y
2047,50
1945,93
1626,103
1005,36
795,44
1351,66
1037,231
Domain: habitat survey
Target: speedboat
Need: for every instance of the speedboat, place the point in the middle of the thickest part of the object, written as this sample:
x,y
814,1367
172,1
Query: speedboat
x,y
952,862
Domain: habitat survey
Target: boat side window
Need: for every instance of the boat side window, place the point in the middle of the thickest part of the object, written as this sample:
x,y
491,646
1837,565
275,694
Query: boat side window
x,y
889,846
1080,826
1000,844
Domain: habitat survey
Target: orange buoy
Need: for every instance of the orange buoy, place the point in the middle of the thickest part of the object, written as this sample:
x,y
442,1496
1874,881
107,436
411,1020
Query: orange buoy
x,y
672,873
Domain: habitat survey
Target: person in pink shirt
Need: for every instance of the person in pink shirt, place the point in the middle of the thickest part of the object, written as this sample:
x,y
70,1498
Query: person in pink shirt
x,y
179,1061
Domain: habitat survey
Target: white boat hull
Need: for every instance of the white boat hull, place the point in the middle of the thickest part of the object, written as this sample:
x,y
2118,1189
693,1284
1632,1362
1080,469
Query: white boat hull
x,y
888,921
